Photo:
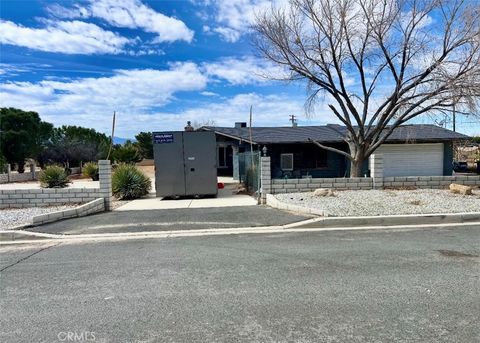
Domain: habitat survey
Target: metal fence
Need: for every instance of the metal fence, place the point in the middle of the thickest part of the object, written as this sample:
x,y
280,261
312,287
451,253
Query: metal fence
x,y
249,170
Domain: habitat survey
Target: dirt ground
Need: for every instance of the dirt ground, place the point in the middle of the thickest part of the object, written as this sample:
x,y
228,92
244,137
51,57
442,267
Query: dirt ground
x,y
148,170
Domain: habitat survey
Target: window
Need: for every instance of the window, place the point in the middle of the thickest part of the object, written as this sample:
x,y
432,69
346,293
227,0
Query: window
x,y
286,161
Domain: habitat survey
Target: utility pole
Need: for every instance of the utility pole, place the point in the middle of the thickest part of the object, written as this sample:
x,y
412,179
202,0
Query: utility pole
x,y
454,118
293,119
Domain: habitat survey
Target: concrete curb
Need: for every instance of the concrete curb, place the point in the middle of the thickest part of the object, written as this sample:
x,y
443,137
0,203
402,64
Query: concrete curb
x,y
94,206
53,238
408,219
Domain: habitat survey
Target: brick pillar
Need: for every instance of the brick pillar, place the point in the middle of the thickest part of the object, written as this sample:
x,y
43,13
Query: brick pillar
x,y
265,177
376,165
105,178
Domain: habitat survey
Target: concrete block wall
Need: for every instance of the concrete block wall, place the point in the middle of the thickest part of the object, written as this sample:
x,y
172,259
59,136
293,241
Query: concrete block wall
x,y
420,182
17,198
310,184
94,206
430,182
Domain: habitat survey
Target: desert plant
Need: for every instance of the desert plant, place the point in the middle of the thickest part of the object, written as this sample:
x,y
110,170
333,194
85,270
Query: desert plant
x,y
127,153
90,170
54,177
129,183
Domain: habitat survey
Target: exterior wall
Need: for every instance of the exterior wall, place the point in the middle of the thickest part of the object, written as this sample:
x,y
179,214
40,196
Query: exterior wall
x,y
427,182
16,198
430,181
46,196
305,157
275,186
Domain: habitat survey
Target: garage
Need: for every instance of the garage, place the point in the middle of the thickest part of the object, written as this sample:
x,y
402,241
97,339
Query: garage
x,y
412,159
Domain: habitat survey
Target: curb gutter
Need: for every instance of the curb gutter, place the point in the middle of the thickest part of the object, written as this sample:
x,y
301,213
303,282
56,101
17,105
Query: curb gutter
x,y
291,228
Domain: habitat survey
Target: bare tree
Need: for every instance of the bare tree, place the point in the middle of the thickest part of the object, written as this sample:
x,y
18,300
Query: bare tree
x,y
378,63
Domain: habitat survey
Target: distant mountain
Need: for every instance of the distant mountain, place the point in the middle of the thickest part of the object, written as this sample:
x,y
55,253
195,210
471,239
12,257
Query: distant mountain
x,y
120,140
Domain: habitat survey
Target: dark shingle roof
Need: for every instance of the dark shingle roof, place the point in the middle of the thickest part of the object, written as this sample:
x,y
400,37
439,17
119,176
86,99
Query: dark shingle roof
x,y
333,134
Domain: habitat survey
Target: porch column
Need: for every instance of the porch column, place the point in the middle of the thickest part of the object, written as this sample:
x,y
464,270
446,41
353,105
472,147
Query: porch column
x,y
265,177
376,164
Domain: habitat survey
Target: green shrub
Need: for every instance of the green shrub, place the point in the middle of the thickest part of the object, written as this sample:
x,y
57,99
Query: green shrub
x,y
54,177
126,153
90,170
129,183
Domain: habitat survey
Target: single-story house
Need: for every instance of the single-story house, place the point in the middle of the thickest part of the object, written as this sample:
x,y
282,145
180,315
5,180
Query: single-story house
x,y
412,150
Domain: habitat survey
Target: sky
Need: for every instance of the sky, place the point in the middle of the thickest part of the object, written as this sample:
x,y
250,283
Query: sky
x,y
158,64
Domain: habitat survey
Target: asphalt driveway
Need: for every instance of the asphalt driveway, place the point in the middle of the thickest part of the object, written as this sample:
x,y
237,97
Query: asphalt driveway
x,y
172,219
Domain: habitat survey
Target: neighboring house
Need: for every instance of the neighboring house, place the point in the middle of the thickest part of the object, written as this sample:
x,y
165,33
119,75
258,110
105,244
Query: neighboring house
x,y
412,150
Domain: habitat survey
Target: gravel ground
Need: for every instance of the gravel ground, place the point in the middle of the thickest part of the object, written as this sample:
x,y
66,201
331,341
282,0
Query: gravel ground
x,y
387,202
17,216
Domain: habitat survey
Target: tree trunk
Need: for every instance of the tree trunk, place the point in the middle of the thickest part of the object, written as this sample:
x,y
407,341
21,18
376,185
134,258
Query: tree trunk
x,y
356,167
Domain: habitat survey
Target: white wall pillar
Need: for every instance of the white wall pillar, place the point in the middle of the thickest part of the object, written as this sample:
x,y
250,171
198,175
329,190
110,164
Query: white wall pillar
x,y
105,178
376,170
265,177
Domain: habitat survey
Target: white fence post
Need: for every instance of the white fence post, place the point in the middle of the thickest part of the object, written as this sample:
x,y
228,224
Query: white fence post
x,y
105,178
9,172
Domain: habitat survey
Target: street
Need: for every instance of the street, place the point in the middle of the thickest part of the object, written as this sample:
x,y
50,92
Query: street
x,y
339,286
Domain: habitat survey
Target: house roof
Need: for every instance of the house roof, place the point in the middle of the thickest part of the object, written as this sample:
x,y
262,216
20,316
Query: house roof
x,y
332,134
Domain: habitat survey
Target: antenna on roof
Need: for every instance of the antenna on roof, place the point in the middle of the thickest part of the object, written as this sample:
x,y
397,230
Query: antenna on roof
x,y
293,119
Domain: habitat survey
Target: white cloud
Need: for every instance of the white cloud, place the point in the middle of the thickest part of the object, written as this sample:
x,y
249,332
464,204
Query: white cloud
x,y
69,37
242,71
228,34
132,14
90,101
206,93
234,17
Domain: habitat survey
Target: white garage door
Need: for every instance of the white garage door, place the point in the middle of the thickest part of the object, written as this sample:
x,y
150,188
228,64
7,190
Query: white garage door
x,y
412,159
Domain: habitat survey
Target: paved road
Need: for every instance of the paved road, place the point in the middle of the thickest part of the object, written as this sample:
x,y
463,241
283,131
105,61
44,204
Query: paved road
x,y
405,286
173,219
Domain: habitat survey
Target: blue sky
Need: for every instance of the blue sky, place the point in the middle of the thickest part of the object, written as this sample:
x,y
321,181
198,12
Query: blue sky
x,y
157,63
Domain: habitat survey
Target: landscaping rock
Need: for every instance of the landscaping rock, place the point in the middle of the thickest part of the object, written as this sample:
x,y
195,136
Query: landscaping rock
x,y
391,202
460,189
323,192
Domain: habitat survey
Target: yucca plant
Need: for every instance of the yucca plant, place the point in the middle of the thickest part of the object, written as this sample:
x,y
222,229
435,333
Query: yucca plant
x,y
90,170
129,183
54,177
